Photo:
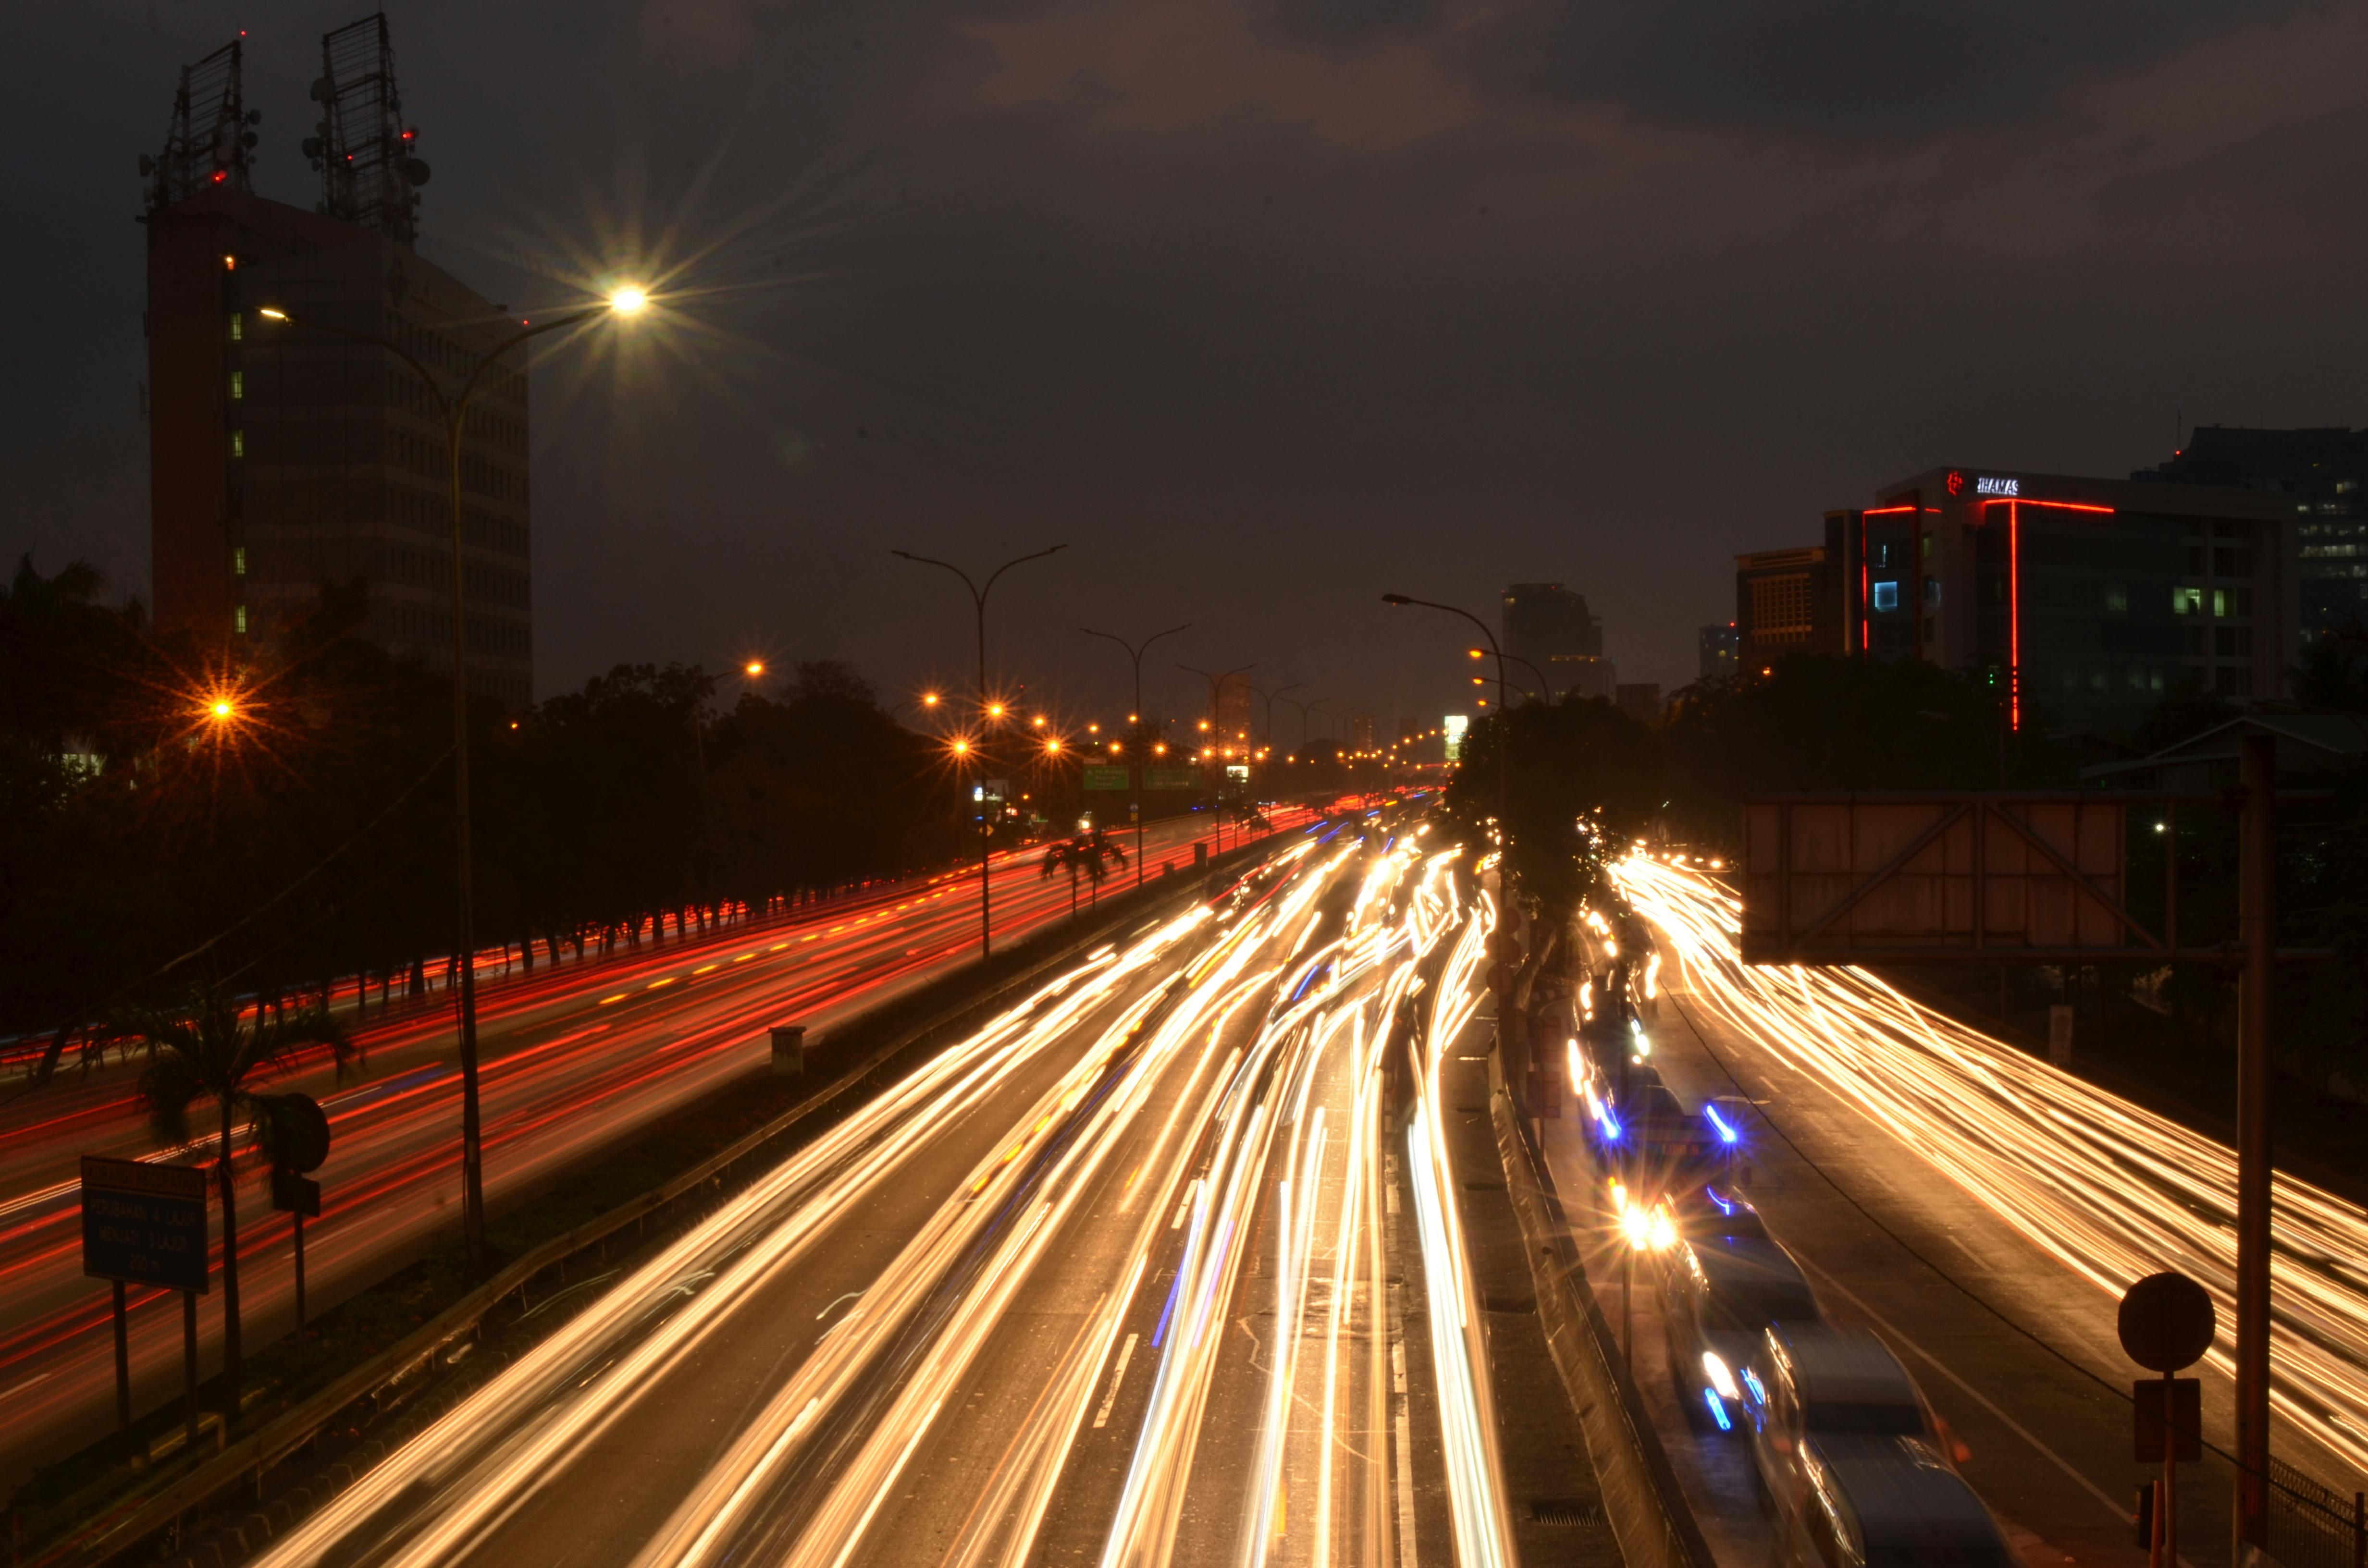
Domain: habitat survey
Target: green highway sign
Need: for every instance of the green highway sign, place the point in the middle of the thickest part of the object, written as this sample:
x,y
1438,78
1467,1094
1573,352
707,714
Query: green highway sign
x,y
1099,778
1171,778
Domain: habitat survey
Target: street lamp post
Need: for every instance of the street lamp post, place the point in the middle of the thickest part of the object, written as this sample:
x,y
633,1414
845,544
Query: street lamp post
x,y
1216,686
1134,762
453,411
1303,707
1504,733
978,592
1269,697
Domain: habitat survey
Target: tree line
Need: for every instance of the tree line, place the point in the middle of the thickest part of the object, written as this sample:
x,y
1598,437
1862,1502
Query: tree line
x,y
1579,781
280,815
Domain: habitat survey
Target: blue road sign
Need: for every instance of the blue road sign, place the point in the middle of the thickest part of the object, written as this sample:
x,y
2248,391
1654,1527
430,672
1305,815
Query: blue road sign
x,y
144,1224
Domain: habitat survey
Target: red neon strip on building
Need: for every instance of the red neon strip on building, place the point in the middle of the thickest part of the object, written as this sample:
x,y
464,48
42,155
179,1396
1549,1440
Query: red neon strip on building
x,y
2014,613
1879,511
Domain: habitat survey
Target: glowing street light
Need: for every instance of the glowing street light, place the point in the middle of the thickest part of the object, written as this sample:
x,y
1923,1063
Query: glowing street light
x,y
993,710
753,668
452,411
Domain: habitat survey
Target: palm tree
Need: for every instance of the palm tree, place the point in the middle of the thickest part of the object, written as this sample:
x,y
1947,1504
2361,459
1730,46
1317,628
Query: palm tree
x,y
1089,856
203,1049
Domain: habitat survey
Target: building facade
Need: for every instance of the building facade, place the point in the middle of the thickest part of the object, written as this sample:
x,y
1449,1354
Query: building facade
x,y
1549,626
283,457
1785,603
1719,646
2324,474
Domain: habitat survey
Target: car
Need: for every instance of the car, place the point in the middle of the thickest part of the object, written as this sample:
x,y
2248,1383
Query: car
x,y
1887,1501
1808,1383
1720,1294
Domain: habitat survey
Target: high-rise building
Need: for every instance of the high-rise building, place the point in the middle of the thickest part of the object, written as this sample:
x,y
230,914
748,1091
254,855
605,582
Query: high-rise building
x,y
2324,472
1785,603
1719,650
1548,626
1361,731
2084,600
1234,713
283,456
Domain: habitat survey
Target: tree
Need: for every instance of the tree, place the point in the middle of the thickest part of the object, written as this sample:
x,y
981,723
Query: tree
x,y
203,1048
1089,854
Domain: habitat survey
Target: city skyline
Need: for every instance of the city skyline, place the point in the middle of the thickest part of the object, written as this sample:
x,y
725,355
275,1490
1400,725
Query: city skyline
x,y
1173,413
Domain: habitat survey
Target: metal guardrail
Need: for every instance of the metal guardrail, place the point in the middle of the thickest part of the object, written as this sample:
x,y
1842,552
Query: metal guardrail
x,y
245,1461
1642,1496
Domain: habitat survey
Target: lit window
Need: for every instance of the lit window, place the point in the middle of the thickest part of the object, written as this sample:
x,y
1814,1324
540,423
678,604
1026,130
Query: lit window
x,y
238,443
237,385
2117,601
1931,590
2187,601
238,620
237,327
1886,595
238,560
2219,601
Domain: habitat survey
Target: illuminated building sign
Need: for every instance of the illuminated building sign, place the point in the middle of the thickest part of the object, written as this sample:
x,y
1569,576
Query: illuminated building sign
x,y
1992,484
1453,725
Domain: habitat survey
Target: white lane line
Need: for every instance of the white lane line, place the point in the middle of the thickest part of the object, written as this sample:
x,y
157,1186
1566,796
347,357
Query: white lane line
x,y
833,1305
1118,1376
2120,1510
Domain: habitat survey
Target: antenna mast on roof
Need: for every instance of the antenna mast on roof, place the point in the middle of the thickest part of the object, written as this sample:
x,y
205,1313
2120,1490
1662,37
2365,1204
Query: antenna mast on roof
x,y
368,158
210,139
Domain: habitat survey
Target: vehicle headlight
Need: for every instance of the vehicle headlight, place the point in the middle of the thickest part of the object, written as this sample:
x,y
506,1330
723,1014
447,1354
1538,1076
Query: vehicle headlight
x,y
1721,1378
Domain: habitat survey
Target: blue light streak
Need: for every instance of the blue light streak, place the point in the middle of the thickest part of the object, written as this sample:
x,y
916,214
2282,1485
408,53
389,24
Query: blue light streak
x,y
1717,1409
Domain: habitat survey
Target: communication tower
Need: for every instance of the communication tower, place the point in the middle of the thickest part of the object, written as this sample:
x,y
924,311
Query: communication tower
x,y
210,139
368,159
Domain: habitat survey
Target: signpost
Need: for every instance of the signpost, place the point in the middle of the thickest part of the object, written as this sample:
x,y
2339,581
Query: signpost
x,y
297,1134
2166,1324
2002,877
1098,777
145,1224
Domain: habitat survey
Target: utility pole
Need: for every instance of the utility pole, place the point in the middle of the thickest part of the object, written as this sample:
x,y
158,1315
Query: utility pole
x,y
978,602
2255,916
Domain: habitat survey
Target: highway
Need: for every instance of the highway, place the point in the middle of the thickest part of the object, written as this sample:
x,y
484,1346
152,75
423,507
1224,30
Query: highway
x,y
1025,1305
1981,1210
575,1058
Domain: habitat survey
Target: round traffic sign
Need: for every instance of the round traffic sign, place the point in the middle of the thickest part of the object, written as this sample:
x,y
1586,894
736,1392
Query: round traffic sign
x,y
299,1135
2167,1322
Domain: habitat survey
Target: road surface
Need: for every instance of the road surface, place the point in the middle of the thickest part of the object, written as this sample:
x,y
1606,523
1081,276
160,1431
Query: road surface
x,y
1112,1280
1982,1212
575,1058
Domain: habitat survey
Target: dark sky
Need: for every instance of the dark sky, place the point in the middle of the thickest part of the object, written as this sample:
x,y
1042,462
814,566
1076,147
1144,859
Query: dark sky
x,y
1262,309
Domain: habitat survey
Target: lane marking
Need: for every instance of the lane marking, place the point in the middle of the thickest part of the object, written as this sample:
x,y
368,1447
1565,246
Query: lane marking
x,y
833,1305
1118,1376
2017,1427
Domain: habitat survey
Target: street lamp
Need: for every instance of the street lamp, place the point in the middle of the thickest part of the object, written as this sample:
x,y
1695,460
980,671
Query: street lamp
x,y
1504,743
1544,685
992,710
1134,769
1269,697
1216,686
453,411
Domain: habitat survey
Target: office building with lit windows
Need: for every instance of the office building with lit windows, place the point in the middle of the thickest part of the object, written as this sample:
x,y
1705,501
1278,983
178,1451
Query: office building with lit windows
x,y
282,457
2084,601
2323,474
